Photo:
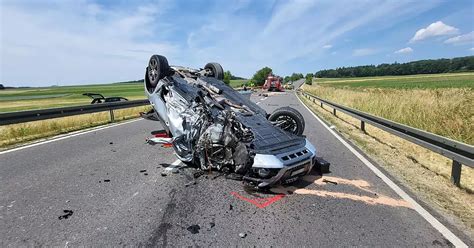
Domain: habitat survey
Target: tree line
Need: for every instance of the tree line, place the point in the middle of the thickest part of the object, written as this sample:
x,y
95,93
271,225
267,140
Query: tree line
x,y
430,66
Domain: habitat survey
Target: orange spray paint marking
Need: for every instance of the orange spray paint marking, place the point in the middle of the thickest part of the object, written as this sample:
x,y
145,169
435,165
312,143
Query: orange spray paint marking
x,y
259,202
167,145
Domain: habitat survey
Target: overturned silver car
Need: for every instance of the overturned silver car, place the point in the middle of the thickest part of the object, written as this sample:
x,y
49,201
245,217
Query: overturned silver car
x,y
214,127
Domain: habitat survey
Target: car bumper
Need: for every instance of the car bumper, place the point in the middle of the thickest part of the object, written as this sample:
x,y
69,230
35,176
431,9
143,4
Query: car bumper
x,y
290,165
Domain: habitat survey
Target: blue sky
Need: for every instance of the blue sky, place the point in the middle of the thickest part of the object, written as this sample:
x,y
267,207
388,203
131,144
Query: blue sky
x,y
69,42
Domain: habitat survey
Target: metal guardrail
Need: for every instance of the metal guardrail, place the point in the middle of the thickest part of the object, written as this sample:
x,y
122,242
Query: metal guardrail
x,y
43,114
460,153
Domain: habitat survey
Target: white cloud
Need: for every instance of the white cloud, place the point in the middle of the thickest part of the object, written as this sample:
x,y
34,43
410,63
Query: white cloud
x,y
97,41
363,52
461,39
471,49
405,50
90,44
434,29
327,46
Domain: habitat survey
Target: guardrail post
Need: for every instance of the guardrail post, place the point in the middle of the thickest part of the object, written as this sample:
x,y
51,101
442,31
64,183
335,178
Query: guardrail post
x,y
321,104
334,112
456,173
112,117
362,126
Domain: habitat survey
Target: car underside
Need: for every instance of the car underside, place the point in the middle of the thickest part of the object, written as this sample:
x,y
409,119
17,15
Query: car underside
x,y
213,127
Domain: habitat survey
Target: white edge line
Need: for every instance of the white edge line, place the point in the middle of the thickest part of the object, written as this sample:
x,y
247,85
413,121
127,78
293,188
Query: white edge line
x,y
66,136
418,208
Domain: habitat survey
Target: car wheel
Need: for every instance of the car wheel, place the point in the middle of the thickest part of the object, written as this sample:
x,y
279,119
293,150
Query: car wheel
x,y
157,69
216,70
288,119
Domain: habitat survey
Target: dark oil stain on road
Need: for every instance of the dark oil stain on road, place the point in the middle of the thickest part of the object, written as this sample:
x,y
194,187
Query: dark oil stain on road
x,y
162,231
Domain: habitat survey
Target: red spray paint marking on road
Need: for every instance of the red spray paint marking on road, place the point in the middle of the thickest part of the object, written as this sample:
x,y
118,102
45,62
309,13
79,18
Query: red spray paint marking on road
x,y
161,135
259,202
167,145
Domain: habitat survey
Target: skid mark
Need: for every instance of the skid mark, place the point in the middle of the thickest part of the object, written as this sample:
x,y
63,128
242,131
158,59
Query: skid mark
x,y
259,202
375,199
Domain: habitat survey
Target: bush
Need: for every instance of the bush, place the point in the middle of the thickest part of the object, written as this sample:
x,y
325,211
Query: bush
x,y
260,76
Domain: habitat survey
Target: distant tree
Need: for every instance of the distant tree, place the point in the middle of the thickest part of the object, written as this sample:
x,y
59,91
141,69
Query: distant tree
x,y
260,76
309,79
286,79
2,87
296,76
415,67
227,77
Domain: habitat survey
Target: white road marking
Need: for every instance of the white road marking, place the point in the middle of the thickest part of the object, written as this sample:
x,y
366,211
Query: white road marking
x,y
258,103
418,208
70,135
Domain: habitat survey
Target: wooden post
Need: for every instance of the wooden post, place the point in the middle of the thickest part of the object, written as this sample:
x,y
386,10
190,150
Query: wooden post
x,y
112,117
334,111
456,173
362,126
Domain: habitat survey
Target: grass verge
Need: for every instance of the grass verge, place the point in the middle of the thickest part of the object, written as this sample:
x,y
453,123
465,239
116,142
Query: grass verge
x,y
446,112
424,172
15,134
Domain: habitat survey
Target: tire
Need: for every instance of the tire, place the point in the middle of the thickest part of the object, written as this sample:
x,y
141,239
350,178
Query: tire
x,y
216,69
288,119
157,69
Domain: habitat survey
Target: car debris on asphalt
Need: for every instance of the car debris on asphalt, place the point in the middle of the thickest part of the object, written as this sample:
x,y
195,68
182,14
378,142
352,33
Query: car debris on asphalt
x,y
194,229
67,214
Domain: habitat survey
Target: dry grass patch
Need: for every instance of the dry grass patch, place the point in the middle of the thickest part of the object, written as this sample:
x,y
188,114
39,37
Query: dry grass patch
x,y
15,134
446,112
424,172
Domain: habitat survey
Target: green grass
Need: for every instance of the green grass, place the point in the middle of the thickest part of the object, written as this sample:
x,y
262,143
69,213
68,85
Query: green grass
x,y
427,81
237,82
442,103
50,97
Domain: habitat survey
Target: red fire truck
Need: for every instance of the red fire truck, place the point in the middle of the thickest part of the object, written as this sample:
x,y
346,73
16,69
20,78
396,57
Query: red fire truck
x,y
273,83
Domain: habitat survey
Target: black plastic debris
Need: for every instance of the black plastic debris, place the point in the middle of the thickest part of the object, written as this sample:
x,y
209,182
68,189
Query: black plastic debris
x,y
242,235
146,174
111,143
212,224
231,207
163,174
106,180
322,165
198,173
193,229
216,176
142,171
164,165
67,214
328,181
234,176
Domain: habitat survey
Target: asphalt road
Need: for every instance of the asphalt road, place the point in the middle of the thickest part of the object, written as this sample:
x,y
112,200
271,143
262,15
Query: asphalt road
x,y
351,206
